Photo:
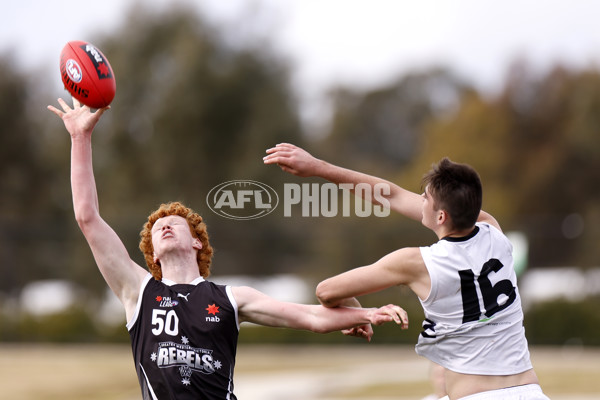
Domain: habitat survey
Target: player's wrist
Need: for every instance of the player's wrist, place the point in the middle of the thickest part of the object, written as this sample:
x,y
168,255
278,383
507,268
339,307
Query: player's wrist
x,y
372,315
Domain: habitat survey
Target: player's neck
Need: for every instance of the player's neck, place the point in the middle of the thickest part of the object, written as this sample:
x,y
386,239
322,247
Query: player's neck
x,y
180,275
180,270
455,233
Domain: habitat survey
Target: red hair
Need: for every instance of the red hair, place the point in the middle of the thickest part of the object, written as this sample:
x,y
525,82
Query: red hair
x,y
197,228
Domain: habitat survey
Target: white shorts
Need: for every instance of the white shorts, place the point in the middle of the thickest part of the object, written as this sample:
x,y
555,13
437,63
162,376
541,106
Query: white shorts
x,y
523,392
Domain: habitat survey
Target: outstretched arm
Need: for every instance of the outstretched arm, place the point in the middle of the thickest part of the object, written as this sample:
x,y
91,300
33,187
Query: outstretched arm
x,y
120,272
401,267
299,162
257,307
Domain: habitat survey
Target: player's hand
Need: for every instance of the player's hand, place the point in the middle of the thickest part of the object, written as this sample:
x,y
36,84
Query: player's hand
x,y
79,119
389,313
292,159
362,331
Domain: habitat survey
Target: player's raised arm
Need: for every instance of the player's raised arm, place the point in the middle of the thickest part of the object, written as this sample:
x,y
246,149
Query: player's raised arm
x,y
120,272
299,162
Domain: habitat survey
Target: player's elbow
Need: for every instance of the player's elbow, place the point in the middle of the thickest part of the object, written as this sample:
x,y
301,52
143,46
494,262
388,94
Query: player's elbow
x,y
86,219
325,295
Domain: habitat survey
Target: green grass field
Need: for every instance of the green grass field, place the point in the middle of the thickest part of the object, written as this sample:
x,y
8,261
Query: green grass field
x,y
366,372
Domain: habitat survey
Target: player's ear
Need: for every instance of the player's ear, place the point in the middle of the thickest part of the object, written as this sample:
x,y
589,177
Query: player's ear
x,y
442,217
197,244
155,258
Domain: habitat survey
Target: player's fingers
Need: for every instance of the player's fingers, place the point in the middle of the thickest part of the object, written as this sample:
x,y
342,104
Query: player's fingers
x,y
101,111
282,148
278,147
400,316
356,331
275,156
393,313
56,111
76,103
287,146
405,320
270,159
271,150
363,333
64,105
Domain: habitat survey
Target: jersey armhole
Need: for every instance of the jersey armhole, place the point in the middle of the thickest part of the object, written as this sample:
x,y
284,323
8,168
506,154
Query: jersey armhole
x,y
139,302
426,254
233,304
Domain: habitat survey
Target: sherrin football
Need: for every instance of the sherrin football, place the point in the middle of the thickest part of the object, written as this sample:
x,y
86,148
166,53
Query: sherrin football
x,y
87,75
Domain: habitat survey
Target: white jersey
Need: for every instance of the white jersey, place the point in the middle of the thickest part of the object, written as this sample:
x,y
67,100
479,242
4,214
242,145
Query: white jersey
x,y
473,317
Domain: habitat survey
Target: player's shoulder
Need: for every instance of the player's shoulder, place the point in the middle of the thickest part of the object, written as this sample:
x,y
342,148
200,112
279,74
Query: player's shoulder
x,y
406,256
489,219
245,293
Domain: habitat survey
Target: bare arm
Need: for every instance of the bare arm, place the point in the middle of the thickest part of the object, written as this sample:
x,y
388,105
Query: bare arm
x,y
297,161
122,275
254,306
401,267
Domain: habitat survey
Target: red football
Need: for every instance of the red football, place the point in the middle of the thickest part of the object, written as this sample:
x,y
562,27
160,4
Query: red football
x,y
86,74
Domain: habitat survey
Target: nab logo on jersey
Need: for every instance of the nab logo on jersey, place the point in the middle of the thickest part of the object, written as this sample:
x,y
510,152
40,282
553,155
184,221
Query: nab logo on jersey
x,y
214,310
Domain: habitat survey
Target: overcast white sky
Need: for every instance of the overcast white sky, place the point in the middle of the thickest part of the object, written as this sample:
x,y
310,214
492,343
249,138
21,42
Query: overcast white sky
x,y
362,42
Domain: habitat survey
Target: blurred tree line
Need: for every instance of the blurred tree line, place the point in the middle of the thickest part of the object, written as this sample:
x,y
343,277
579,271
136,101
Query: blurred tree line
x,y
193,111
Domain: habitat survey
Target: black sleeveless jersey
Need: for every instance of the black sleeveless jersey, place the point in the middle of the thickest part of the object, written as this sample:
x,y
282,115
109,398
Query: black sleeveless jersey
x,y
184,340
